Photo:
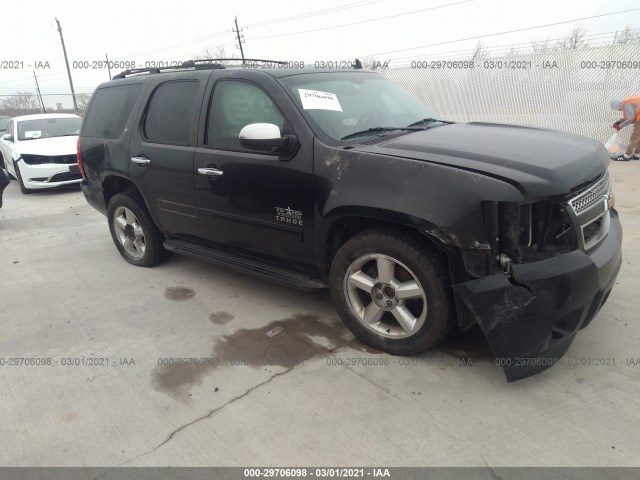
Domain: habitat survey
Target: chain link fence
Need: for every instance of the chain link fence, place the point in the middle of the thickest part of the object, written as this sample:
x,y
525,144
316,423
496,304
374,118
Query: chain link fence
x,y
547,87
562,89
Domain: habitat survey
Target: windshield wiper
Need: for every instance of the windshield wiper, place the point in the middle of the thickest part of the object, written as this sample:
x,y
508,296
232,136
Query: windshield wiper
x,y
426,121
378,130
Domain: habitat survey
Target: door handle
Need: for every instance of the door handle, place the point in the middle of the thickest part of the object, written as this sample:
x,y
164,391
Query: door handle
x,y
214,172
140,160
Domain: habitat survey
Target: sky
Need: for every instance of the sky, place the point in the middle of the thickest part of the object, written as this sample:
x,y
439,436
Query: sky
x,y
145,32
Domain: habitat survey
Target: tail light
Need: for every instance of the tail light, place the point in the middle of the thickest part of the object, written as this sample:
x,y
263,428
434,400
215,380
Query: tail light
x,y
80,164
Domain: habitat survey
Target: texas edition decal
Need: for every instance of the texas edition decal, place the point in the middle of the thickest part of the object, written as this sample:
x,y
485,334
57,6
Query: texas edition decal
x,y
286,215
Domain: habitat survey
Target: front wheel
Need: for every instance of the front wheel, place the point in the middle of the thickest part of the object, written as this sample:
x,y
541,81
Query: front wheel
x,y
391,292
136,236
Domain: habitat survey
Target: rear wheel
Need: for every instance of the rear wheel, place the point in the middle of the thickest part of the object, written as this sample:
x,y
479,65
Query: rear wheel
x,y
23,189
136,236
391,292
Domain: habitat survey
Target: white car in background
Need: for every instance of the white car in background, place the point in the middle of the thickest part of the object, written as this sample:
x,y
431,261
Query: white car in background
x,y
40,150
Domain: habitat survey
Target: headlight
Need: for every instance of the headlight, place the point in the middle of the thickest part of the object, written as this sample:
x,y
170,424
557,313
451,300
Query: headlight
x,y
34,159
527,232
41,159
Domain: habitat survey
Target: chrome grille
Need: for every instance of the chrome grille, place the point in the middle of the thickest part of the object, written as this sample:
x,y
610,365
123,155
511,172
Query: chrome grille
x,y
590,214
591,196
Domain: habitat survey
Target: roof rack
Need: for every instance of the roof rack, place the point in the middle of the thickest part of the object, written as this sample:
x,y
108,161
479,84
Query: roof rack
x,y
261,60
199,64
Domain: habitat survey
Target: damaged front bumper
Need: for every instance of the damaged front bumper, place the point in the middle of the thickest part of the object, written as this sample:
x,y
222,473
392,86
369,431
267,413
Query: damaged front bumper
x,y
531,318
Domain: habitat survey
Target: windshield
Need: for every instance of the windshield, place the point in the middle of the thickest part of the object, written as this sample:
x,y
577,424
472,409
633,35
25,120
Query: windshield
x,y
48,127
340,104
3,122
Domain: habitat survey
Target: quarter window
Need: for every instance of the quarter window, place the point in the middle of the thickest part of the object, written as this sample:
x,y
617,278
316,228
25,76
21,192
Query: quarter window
x,y
170,114
109,111
235,105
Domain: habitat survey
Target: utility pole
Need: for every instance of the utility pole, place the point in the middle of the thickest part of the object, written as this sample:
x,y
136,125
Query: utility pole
x,y
240,39
39,94
108,67
66,60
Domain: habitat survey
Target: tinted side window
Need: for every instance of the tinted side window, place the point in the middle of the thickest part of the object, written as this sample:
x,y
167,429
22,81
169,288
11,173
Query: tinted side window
x,y
235,105
170,113
109,111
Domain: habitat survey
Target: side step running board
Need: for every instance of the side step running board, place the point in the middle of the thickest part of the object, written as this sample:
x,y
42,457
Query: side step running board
x,y
245,265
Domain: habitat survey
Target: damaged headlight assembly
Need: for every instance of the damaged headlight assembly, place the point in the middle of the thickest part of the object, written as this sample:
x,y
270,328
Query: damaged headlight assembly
x,y
527,232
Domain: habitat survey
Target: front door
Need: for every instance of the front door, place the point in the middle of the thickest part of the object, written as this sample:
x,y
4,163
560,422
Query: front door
x,y
252,202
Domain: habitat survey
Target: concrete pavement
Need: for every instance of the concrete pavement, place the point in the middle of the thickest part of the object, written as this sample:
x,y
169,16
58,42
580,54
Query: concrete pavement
x,y
110,397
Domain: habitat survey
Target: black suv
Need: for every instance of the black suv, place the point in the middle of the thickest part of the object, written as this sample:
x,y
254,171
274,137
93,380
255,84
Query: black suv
x,y
342,179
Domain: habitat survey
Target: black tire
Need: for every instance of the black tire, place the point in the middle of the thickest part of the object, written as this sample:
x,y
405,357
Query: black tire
x,y
152,239
23,189
415,262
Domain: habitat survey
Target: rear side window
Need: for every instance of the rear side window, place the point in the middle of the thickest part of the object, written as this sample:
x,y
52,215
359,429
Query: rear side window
x,y
170,113
109,111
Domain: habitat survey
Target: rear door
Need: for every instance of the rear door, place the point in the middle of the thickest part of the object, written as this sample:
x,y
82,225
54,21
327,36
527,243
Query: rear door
x,y
162,150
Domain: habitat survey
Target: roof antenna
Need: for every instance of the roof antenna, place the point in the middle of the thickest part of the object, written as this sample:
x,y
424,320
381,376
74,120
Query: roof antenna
x,y
357,64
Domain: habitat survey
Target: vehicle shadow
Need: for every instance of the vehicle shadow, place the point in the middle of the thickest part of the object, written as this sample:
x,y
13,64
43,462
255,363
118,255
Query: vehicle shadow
x,y
55,191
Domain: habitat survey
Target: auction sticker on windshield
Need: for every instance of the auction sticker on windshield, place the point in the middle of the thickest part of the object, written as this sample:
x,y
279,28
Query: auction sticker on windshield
x,y
316,100
32,134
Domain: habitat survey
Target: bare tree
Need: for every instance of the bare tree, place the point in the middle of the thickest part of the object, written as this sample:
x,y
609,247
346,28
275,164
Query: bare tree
x,y
577,38
628,35
480,53
371,63
541,46
219,51
21,103
514,51
82,99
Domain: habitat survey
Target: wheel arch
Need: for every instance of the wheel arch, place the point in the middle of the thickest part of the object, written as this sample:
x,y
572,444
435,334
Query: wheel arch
x,y
113,183
346,222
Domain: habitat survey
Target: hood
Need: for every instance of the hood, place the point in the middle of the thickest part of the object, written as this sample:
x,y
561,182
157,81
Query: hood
x,y
539,162
48,146
616,104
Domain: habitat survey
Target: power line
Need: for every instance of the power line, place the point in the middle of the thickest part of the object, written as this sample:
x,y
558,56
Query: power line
x,y
24,79
269,22
361,22
172,47
504,33
317,12
496,48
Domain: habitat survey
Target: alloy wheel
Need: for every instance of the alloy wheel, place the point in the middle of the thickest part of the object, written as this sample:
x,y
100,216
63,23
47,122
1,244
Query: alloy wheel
x,y
129,232
385,296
